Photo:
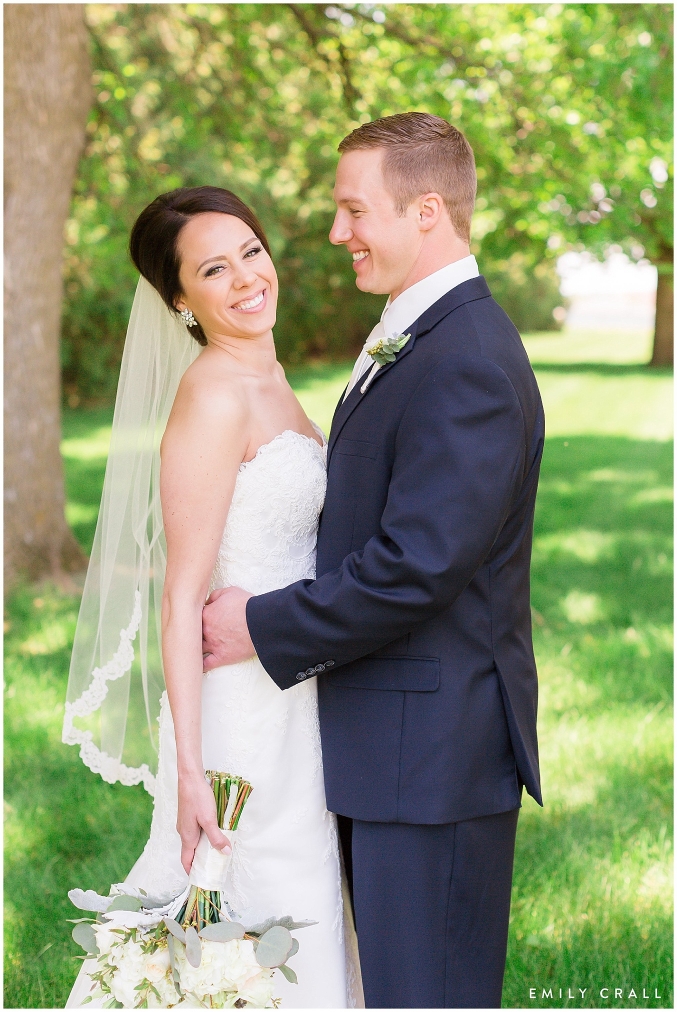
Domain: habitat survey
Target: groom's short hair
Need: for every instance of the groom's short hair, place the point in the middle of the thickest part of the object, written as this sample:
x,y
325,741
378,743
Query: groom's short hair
x,y
423,154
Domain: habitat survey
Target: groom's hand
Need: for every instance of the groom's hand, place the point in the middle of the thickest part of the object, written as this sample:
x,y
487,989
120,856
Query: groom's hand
x,y
225,636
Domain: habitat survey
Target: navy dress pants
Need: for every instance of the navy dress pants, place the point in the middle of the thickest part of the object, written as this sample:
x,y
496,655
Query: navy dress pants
x,y
431,909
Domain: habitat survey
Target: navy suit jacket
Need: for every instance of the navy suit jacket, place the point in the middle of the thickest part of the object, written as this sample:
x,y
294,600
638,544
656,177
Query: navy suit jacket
x,y
418,625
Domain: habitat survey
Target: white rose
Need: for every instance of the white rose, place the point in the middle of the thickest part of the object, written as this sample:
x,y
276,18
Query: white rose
x,y
239,961
128,956
130,962
157,965
258,990
123,989
224,967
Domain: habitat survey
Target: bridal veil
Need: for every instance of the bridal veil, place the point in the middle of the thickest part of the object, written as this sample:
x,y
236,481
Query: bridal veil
x,y
116,680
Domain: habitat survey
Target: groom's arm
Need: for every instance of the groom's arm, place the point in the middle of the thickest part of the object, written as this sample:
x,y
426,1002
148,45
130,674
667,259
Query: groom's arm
x,y
459,463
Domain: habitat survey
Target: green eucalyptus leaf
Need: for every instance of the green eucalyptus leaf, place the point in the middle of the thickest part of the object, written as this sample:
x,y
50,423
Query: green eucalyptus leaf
x,y
193,947
86,1001
274,946
175,929
171,945
294,948
288,973
125,903
84,935
224,931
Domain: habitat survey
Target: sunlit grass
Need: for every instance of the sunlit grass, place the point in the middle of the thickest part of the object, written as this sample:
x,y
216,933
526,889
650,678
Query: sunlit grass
x,y
63,825
592,894
586,346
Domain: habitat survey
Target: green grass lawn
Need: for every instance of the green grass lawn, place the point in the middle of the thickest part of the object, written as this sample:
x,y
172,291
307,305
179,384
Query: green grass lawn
x,y
592,894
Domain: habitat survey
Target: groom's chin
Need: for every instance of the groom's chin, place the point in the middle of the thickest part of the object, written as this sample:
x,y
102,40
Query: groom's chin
x,y
371,286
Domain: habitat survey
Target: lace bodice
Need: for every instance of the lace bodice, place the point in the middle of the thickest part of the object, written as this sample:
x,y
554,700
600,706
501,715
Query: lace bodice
x,y
271,530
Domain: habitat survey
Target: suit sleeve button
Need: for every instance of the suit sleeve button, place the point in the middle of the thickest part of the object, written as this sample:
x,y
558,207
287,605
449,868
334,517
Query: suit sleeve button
x,y
329,664
300,676
310,671
319,667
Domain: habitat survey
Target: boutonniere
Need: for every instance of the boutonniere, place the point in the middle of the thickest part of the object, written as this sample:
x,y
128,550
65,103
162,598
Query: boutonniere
x,y
385,349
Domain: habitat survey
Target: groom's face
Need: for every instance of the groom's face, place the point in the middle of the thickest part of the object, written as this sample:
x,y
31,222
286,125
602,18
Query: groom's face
x,y
383,244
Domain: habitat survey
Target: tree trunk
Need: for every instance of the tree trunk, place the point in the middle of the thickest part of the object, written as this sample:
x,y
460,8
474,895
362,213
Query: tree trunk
x,y
663,342
47,97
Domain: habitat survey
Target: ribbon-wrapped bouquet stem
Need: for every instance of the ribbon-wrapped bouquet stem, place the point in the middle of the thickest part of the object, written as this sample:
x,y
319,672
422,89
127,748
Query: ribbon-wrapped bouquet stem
x,y
189,952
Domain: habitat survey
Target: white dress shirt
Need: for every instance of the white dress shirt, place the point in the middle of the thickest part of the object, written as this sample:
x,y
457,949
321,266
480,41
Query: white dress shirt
x,y
409,305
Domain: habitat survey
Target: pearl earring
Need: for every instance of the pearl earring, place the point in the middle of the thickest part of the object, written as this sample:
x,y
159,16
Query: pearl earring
x,y
188,318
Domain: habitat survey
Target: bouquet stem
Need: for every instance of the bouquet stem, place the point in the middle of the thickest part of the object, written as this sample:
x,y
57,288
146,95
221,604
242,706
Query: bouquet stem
x,y
230,794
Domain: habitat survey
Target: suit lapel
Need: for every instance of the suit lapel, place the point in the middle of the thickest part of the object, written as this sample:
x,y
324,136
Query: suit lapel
x,y
345,408
468,291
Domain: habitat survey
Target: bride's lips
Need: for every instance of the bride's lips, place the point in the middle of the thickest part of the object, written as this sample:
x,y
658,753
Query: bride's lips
x,y
253,303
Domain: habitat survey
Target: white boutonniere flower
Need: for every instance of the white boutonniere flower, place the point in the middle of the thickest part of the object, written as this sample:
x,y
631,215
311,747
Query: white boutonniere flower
x,y
385,349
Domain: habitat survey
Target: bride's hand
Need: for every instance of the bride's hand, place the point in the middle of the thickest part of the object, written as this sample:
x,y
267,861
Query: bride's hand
x,y
197,809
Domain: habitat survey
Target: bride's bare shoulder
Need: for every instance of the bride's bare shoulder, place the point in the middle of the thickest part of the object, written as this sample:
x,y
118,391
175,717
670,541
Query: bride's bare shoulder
x,y
208,399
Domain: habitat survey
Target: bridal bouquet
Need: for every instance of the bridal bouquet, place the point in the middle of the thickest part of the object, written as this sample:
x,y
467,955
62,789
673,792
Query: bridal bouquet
x,y
189,952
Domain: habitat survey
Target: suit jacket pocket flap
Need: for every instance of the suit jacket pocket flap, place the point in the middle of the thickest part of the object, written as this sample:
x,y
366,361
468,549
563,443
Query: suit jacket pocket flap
x,y
356,448
404,674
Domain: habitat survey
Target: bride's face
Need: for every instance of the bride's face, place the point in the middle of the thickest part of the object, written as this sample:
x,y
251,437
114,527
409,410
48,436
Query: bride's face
x,y
227,279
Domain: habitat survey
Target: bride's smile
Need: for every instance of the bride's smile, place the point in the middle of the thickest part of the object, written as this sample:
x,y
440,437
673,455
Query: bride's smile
x,y
253,305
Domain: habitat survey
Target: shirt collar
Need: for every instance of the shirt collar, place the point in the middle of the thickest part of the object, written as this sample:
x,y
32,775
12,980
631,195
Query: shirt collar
x,y
413,302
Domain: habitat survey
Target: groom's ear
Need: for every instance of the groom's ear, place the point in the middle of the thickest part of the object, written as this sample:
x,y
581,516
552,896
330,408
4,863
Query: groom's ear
x,y
429,209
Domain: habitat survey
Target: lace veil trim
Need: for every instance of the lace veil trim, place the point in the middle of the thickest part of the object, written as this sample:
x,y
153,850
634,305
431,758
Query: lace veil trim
x,y
108,767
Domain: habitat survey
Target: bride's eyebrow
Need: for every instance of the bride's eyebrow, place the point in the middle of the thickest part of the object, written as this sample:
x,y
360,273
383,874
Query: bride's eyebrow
x,y
224,256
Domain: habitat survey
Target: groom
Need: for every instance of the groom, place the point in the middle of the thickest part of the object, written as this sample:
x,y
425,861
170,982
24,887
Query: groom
x,y
417,626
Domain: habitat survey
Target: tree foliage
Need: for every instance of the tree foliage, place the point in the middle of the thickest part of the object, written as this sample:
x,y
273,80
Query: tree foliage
x,y
568,109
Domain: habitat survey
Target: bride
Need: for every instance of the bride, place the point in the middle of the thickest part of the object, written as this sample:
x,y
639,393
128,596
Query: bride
x,y
240,488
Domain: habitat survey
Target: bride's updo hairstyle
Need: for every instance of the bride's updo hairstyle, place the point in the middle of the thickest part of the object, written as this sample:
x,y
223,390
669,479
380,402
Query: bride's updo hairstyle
x,y
154,242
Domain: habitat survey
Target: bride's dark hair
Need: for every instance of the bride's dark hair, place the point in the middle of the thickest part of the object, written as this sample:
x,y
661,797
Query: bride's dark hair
x,y
154,241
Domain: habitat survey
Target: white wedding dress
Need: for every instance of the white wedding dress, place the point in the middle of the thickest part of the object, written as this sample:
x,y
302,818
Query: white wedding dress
x,y
286,856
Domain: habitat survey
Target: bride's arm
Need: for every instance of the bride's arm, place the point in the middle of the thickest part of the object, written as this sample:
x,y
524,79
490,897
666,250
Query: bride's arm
x,y
204,443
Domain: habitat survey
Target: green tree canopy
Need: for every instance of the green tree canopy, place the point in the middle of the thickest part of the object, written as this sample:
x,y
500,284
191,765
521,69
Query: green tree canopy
x,y
568,109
